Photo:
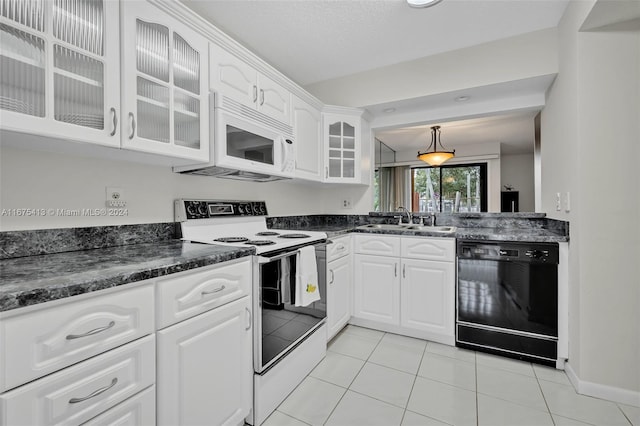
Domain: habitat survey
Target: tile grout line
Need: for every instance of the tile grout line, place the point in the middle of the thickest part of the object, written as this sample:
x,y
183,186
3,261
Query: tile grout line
x,y
544,398
475,365
354,377
413,385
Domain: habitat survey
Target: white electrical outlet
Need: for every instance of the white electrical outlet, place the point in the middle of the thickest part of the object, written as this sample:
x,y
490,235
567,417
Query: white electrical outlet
x,y
558,201
346,203
115,197
567,201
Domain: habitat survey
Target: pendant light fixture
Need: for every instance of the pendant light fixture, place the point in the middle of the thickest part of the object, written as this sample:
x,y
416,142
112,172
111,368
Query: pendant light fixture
x,y
435,157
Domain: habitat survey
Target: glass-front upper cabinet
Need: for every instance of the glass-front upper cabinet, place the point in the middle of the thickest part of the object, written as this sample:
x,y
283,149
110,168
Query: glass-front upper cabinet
x,y
164,87
60,68
342,148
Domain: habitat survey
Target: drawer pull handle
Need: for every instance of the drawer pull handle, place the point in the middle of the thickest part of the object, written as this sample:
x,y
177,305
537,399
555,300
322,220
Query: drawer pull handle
x,y
94,393
92,332
215,290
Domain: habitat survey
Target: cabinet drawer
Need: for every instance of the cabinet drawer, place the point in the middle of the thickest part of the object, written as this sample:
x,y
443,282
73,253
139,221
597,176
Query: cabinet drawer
x,y
442,249
340,247
192,293
380,245
47,340
139,410
81,392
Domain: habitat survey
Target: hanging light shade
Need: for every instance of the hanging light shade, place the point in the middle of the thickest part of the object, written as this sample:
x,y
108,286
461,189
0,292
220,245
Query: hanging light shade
x,y
435,157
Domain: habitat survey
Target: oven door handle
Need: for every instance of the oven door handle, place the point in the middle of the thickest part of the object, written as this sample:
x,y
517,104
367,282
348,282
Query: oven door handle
x,y
263,259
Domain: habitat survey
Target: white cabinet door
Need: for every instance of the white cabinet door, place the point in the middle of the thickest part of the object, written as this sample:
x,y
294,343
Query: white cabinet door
x,y
164,84
273,99
428,296
377,288
205,368
342,148
60,66
233,78
307,137
338,295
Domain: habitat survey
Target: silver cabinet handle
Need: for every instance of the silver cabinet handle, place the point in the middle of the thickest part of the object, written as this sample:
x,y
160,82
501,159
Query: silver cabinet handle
x,y
250,319
255,93
395,270
404,271
115,121
94,393
215,290
332,276
261,97
92,332
132,120
340,247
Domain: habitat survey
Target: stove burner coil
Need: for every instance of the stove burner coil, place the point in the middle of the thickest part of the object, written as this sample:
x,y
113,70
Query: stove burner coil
x,y
267,233
260,242
232,239
294,236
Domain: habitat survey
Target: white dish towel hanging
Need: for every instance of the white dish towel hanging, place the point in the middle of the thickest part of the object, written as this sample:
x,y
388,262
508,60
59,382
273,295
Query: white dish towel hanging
x,y
307,290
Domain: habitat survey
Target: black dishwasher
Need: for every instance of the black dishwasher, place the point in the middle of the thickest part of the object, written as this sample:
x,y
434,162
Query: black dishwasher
x,y
507,299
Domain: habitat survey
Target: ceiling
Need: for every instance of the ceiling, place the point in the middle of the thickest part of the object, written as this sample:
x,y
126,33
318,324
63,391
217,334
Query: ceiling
x,y
317,40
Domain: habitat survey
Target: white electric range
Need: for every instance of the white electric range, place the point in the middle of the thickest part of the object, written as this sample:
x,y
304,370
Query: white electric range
x,y
288,340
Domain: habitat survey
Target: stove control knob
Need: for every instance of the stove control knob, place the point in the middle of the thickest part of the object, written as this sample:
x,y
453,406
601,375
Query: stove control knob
x,y
202,210
240,209
246,209
256,209
191,211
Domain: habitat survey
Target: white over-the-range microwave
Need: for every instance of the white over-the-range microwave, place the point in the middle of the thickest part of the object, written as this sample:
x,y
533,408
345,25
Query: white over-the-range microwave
x,y
245,144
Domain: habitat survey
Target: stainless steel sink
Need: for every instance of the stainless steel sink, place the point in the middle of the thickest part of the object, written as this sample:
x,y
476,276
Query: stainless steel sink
x,y
407,227
388,226
439,229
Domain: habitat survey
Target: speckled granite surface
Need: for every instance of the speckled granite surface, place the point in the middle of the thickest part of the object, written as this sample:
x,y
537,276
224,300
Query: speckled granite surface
x,y
534,227
31,280
46,241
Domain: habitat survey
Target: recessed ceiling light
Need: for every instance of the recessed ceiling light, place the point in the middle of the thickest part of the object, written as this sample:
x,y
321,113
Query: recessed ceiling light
x,y
388,110
423,3
462,98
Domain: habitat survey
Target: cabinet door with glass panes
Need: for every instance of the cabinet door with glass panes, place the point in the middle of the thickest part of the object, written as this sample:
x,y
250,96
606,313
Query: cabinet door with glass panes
x,y
60,69
342,148
164,84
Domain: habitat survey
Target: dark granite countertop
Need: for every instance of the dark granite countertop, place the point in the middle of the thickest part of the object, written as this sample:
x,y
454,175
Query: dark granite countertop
x,y
497,234
31,280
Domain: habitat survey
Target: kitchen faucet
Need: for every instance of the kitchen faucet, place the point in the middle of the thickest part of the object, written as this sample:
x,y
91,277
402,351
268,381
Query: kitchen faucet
x,y
409,217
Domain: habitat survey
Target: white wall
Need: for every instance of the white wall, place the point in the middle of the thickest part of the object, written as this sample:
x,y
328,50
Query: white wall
x,y
520,57
517,171
43,180
590,135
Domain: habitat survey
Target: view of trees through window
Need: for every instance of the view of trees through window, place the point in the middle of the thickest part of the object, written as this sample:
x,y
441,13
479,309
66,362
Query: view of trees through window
x,y
460,188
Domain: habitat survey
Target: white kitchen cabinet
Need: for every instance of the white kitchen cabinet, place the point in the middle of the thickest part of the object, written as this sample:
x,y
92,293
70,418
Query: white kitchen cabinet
x,y
342,144
60,69
164,89
82,391
235,79
307,130
139,410
427,302
59,336
377,289
405,285
339,279
205,368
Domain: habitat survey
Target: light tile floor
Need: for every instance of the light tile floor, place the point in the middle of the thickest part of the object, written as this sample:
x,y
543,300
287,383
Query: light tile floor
x,y
374,378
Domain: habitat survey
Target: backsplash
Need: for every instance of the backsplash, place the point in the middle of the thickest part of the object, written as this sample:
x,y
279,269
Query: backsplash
x,y
47,241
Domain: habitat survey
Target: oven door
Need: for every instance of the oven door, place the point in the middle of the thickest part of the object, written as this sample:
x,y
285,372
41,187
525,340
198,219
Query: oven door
x,y
279,326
